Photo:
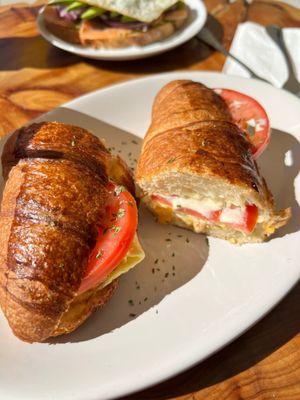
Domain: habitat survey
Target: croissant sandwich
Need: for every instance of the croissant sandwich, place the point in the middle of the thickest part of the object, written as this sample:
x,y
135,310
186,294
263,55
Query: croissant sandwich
x,y
67,228
114,23
197,171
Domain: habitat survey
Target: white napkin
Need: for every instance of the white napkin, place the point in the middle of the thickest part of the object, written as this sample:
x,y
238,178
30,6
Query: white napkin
x,y
252,45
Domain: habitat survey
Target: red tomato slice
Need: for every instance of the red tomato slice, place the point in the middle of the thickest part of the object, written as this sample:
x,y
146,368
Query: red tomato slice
x,y
114,239
161,200
249,218
250,116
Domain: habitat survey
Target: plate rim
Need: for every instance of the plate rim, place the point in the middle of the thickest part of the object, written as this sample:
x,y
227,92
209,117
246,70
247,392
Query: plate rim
x,y
280,292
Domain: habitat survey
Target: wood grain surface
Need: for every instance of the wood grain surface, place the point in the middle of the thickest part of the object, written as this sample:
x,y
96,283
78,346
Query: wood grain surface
x,y
35,77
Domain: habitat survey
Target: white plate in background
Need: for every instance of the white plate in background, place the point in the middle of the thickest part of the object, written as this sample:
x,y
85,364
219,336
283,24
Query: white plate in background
x,y
194,24
219,290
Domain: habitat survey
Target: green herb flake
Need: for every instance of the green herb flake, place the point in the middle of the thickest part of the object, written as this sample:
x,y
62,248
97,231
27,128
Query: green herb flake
x,y
99,254
116,229
171,160
130,203
121,213
119,189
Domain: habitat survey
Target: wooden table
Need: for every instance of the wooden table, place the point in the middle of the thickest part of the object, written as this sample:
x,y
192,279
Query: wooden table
x,y
35,77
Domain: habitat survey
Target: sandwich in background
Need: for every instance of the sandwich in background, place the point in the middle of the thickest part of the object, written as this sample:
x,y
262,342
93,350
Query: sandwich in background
x,y
114,23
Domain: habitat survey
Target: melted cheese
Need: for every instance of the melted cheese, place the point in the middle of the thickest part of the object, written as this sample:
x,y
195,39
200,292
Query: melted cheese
x,y
134,256
206,207
233,215
203,206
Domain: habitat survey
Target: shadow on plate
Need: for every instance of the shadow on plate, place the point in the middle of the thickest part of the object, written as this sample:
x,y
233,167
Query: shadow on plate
x,y
173,256
271,333
280,165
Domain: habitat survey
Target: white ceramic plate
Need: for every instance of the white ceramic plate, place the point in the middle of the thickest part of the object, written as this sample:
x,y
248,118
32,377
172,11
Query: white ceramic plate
x,y
218,291
190,29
